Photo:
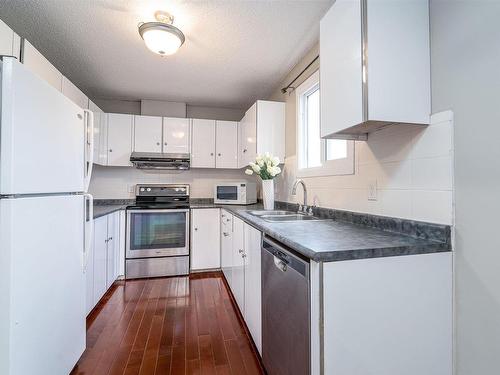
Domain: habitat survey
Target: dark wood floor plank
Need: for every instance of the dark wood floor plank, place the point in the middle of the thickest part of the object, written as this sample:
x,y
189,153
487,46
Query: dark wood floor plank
x,y
178,326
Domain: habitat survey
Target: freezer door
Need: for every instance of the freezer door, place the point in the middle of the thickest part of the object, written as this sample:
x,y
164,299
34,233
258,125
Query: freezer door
x,y
42,284
43,136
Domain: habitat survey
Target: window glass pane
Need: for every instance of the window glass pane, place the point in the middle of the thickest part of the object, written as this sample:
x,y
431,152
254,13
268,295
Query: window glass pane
x,y
336,149
313,131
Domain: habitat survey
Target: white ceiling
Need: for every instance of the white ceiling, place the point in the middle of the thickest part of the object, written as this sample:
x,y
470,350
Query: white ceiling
x,y
235,51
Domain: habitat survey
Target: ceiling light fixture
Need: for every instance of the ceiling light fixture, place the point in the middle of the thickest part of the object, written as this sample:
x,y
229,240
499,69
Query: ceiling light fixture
x,y
162,37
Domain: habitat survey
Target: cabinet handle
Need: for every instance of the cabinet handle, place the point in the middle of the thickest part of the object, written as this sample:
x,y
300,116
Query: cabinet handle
x,y
211,154
157,143
240,251
195,228
225,234
245,150
243,255
110,150
165,143
219,154
110,238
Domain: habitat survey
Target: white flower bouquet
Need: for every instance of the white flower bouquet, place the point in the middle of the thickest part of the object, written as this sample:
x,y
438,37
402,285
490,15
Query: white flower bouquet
x,y
265,166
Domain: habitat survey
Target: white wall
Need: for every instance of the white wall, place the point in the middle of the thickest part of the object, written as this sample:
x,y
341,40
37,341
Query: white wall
x,y
118,182
465,57
412,166
163,108
172,109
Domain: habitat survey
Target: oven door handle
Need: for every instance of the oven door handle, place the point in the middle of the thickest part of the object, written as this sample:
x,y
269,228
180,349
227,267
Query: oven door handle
x,y
155,210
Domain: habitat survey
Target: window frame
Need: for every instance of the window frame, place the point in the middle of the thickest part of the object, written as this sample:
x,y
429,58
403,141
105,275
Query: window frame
x,y
337,167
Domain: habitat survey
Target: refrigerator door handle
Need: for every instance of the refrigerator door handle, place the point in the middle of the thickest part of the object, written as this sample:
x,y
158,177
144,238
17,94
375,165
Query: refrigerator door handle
x,y
89,228
89,146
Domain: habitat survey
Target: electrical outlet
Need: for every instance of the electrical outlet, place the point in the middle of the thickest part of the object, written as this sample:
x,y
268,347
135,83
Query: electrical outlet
x,y
372,190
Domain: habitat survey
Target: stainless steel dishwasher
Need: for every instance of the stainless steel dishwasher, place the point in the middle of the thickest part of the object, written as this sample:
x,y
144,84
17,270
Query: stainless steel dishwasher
x,y
285,310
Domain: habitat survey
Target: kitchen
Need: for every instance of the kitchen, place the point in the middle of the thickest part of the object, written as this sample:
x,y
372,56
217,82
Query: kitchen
x,y
177,197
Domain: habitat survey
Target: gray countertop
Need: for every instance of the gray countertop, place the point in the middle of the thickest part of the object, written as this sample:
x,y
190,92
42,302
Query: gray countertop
x,y
106,209
325,240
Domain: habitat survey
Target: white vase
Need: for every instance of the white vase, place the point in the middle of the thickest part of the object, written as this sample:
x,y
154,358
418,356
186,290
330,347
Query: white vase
x,y
268,194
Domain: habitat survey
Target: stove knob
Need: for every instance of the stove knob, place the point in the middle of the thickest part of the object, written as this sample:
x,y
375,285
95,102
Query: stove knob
x,y
142,189
148,189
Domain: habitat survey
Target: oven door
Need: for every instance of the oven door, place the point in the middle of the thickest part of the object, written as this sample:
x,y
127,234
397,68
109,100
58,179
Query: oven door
x,y
157,233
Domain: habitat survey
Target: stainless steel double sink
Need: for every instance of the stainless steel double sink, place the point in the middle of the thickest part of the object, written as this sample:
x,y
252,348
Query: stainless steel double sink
x,y
282,216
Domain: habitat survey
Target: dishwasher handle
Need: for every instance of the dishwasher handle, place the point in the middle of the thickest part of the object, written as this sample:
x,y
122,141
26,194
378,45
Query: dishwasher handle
x,y
284,257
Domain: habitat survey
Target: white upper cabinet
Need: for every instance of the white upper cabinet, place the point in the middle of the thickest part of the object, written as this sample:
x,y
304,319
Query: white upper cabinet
x,y
262,130
42,67
119,143
375,66
100,131
9,41
203,143
148,134
74,93
176,135
226,144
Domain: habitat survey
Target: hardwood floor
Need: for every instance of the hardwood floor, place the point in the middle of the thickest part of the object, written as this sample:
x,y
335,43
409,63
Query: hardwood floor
x,y
177,325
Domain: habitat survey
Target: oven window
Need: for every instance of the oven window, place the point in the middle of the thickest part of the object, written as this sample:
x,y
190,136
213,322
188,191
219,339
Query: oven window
x,y
157,230
227,192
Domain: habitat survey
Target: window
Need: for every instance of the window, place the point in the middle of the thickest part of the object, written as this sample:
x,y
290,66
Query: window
x,y
316,156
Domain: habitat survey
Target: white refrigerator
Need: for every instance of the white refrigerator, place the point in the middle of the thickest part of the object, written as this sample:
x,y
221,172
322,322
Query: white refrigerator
x,y
45,224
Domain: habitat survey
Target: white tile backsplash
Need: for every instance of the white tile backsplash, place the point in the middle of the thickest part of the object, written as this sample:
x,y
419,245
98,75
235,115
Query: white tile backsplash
x,y
413,167
114,182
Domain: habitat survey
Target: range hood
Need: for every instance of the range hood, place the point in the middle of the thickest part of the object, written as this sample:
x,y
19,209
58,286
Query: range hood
x,y
158,160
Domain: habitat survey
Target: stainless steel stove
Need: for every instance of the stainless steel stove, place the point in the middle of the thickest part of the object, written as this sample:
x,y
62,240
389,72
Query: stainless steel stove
x,y
158,232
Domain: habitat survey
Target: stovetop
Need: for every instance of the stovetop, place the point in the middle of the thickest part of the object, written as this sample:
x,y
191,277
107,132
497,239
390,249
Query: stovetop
x,y
156,197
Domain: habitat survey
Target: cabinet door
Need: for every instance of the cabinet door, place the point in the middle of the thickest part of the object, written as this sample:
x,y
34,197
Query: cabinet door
x,y
89,282
253,293
100,255
147,133
111,250
248,140
119,139
271,128
226,144
176,135
116,244
238,287
99,126
226,245
74,93
205,239
341,67
42,67
6,39
203,143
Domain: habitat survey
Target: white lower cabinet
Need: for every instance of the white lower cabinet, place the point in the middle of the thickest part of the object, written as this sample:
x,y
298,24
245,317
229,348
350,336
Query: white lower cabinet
x,y
104,259
100,254
252,267
243,265
205,239
238,287
226,245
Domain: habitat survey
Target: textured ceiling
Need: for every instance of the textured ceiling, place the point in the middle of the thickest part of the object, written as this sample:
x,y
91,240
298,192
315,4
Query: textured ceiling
x,y
235,51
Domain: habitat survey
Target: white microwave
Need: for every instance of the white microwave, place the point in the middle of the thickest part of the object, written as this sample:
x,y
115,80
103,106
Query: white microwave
x,y
239,192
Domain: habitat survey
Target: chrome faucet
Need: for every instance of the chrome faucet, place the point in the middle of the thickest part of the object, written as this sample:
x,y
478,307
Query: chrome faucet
x,y
302,208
